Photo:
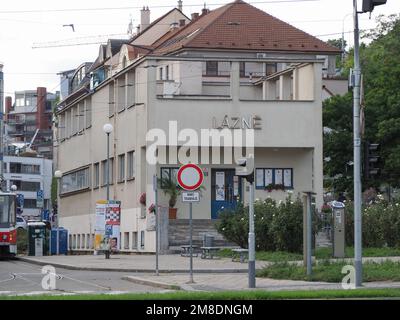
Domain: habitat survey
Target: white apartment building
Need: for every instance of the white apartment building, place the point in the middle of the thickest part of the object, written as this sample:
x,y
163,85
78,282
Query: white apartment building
x,y
29,174
230,69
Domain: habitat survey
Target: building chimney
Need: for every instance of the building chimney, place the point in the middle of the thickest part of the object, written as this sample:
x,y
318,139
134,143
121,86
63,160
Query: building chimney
x,y
182,22
180,5
195,15
144,18
41,119
204,11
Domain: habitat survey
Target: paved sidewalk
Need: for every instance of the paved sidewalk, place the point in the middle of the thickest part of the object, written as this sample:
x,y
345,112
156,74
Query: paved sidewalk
x,y
222,282
142,263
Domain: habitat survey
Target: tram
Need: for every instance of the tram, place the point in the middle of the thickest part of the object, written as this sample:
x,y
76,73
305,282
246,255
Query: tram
x,y
8,229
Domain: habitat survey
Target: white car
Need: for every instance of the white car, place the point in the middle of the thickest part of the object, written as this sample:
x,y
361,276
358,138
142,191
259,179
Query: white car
x,y
21,223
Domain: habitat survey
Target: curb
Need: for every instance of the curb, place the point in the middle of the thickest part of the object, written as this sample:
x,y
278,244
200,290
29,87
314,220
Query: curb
x,y
71,267
153,283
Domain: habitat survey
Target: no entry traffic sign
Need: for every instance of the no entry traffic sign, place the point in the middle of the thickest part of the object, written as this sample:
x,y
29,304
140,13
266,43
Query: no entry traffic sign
x,y
190,177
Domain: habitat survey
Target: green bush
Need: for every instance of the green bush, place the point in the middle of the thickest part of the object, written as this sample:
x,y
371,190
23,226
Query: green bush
x,y
380,225
278,227
22,241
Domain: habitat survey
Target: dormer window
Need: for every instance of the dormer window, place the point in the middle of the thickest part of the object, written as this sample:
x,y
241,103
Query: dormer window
x,y
124,62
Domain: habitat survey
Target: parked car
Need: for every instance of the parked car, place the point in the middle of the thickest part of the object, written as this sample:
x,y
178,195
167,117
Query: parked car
x,y
21,223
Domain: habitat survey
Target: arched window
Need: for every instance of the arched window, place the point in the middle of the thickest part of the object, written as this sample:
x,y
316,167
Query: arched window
x,y
124,62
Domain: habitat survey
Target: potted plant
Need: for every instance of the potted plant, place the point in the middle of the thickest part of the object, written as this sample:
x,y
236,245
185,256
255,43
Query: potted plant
x,y
171,189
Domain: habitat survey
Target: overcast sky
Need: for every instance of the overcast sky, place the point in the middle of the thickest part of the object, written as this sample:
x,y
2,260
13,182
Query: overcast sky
x,y
27,68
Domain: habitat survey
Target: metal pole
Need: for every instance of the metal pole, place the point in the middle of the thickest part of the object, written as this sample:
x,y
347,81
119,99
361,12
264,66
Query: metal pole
x,y
357,154
157,229
309,235
252,254
57,226
107,254
191,242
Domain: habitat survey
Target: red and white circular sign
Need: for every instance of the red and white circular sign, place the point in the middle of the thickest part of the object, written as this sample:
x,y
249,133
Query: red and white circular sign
x,y
190,177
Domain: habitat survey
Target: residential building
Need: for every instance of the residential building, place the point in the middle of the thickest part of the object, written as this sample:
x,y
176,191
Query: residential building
x,y
30,119
232,70
29,174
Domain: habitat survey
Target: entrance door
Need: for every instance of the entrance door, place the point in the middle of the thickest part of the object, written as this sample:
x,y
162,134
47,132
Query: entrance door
x,y
226,189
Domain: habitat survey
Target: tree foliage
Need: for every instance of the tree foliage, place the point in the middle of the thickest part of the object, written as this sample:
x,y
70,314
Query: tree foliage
x,y
380,65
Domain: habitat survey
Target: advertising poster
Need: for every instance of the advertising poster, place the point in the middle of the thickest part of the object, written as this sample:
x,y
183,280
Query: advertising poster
x,y
113,223
100,223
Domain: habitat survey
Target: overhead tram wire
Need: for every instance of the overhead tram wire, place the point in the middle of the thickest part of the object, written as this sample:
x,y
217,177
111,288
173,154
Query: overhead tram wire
x,y
140,7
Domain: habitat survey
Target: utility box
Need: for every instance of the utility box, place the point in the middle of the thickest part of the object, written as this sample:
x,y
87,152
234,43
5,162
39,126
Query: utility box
x,y
62,241
37,239
338,215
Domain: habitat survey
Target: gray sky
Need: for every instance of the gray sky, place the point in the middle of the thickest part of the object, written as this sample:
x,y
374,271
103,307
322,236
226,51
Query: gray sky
x,y
27,68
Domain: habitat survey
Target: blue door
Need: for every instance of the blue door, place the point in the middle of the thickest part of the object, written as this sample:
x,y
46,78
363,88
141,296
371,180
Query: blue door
x,y
226,189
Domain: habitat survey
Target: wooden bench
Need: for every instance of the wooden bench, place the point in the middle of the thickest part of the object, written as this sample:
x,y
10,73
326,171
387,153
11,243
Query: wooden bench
x,y
209,252
243,254
185,251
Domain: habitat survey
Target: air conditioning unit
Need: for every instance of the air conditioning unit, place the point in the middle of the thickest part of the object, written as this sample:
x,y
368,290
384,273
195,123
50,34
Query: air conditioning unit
x,y
170,89
261,55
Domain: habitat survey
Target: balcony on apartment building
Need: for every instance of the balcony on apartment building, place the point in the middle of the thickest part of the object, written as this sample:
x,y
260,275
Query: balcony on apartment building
x,y
268,82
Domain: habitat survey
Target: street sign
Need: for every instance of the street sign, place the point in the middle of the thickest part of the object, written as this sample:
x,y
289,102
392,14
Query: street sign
x,y
190,196
40,199
46,215
190,177
20,200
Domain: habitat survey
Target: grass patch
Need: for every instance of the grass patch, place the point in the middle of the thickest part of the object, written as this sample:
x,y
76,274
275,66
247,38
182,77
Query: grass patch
x,y
227,295
320,253
273,256
331,271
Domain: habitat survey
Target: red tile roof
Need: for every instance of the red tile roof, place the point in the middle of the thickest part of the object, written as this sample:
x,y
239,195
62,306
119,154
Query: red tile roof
x,y
239,25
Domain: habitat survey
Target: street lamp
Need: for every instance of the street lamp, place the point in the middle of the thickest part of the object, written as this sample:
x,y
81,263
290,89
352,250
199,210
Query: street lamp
x,y
108,128
58,176
13,188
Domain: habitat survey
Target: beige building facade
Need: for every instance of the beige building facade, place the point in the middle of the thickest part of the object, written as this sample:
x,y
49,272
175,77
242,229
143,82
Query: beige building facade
x,y
273,95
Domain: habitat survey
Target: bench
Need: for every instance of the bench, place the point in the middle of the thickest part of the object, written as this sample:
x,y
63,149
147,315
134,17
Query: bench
x,y
242,253
209,252
185,251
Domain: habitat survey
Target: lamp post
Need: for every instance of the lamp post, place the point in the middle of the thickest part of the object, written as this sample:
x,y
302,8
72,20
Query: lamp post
x,y
108,128
58,176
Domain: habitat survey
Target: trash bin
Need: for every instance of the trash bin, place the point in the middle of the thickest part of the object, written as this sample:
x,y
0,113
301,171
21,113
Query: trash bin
x,y
62,241
208,240
37,239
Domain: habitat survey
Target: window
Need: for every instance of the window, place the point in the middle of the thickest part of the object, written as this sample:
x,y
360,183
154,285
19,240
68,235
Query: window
x,y
270,68
130,89
96,175
242,69
75,181
26,185
88,111
168,174
270,177
111,99
167,73
126,240
83,241
121,167
121,98
161,73
30,203
80,116
124,62
211,68
142,239
134,240
104,171
131,165
16,167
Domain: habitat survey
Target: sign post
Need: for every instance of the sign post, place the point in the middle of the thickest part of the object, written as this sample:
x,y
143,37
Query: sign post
x,y
190,177
156,213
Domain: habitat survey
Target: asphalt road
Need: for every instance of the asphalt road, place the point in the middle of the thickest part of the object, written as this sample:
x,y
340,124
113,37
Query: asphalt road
x,y
21,278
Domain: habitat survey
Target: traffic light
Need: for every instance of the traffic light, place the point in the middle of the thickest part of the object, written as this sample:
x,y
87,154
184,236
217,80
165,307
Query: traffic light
x,y
371,160
368,5
246,168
